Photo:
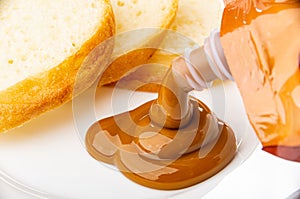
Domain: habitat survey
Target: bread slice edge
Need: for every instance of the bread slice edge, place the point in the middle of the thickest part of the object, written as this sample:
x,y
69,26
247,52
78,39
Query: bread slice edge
x,y
39,94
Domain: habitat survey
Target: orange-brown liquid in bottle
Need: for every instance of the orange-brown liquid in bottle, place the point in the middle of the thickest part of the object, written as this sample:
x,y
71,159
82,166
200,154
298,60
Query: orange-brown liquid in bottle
x,y
163,156
262,46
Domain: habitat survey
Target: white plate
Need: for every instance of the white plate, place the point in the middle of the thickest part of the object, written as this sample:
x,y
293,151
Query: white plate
x,y
47,158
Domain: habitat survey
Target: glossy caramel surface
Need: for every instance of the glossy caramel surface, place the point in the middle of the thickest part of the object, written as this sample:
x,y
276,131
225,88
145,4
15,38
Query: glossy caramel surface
x,y
159,157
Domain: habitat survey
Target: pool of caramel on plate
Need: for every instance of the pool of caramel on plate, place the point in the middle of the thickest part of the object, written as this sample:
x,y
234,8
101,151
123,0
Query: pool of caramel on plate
x,y
169,154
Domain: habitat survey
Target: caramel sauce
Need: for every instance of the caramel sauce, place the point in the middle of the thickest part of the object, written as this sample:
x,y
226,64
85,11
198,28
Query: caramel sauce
x,y
169,143
262,47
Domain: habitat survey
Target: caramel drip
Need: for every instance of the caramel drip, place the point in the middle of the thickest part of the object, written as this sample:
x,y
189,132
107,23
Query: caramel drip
x,y
160,150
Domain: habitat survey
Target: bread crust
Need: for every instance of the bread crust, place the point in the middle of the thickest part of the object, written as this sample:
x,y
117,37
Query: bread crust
x,y
187,30
38,94
119,67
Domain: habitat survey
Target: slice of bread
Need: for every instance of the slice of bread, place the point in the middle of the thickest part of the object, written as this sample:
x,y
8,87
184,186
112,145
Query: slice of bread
x,y
132,16
194,21
42,46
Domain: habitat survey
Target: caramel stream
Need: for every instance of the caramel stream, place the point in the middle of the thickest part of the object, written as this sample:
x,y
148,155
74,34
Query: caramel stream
x,y
169,143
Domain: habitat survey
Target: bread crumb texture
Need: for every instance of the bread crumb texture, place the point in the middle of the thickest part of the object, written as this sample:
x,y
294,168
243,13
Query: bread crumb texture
x,y
195,20
43,45
139,23
136,14
38,35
